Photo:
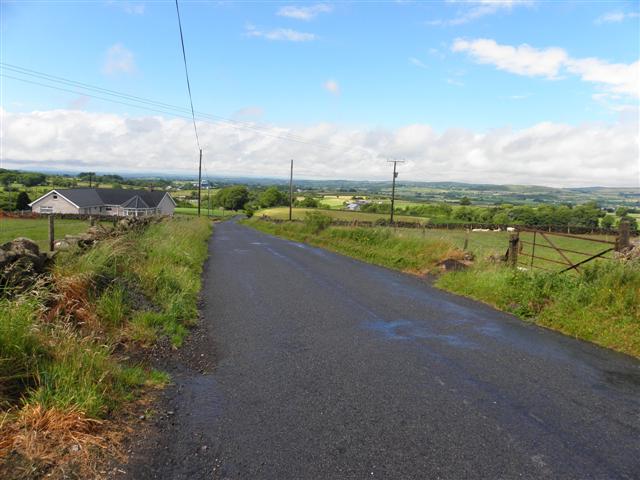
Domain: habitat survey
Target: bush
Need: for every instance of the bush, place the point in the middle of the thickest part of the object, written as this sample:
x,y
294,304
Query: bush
x,y
307,202
316,221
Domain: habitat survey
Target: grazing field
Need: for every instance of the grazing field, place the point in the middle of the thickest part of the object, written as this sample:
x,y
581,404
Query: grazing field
x,y
214,212
485,244
481,244
282,213
37,229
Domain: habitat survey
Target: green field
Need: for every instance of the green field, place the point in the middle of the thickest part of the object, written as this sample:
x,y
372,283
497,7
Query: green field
x,y
481,244
214,212
282,213
37,229
485,244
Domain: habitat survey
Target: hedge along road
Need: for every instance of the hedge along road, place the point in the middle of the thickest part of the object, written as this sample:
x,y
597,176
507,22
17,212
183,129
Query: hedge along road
x,y
328,367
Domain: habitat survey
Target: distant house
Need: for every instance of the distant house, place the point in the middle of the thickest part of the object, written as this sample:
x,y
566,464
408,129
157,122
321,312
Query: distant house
x,y
105,201
356,204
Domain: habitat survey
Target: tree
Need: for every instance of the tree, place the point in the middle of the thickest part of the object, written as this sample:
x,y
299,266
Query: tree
x,y
465,201
272,197
632,221
23,201
622,211
232,198
607,222
307,202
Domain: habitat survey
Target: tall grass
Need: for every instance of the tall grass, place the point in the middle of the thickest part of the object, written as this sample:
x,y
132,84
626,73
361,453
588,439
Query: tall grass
x,y
374,245
20,348
601,305
57,348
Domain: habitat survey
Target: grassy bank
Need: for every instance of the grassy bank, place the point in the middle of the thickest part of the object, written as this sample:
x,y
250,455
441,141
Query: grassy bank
x,y
282,213
601,304
374,245
65,344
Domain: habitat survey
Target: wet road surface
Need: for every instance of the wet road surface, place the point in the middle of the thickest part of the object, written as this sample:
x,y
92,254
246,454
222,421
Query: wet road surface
x,y
331,368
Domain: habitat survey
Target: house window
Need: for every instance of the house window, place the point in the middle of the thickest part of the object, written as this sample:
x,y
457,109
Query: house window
x,y
55,197
108,209
46,209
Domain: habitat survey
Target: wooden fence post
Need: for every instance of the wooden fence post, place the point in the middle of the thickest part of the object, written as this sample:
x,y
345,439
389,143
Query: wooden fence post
x,y
514,241
51,233
622,242
466,240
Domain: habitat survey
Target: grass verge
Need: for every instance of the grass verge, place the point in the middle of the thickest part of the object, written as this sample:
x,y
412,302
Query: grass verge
x,y
601,305
374,245
65,344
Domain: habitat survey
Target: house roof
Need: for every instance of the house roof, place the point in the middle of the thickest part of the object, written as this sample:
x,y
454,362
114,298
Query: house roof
x,y
89,197
135,202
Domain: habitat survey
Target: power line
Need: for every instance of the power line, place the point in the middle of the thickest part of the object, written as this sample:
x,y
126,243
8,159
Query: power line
x,y
156,106
186,73
75,83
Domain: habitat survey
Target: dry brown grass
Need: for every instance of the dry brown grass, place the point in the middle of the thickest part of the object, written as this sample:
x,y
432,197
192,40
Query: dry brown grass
x,y
37,440
71,302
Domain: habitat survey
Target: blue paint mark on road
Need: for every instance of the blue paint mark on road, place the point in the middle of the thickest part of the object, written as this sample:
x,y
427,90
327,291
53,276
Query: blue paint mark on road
x,y
408,330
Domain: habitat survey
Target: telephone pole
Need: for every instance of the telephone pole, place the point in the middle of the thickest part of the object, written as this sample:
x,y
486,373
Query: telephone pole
x,y
393,187
291,190
199,180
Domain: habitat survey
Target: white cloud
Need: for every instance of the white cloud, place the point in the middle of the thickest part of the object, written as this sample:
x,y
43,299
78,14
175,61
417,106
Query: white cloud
x,y
285,34
523,60
118,60
545,153
332,86
79,103
478,9
132,8
417,62
305,13
617,77
615,17
455,82
250,112
550,62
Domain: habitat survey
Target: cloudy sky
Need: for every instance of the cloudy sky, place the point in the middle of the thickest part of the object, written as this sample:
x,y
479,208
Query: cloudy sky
x,y
495,91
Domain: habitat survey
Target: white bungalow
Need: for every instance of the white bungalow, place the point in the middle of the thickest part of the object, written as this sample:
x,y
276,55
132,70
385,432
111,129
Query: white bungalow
x,y
105,201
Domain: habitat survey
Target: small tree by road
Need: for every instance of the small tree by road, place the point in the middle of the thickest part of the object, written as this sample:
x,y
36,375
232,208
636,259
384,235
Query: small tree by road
x,y
232,198
23,201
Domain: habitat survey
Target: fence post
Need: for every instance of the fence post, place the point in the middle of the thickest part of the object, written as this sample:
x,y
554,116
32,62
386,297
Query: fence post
x,y
51,233
466,240
514,240
622,242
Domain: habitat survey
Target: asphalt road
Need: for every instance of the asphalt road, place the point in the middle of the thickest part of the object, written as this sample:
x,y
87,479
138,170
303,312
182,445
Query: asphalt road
x,y
328,367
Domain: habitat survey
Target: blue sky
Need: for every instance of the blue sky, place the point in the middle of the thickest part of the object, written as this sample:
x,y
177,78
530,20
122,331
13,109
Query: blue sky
x,y
473,66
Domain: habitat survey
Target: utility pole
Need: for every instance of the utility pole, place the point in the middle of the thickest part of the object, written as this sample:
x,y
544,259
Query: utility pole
x,y
393,186
90,175
208,200
291,190
199,180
